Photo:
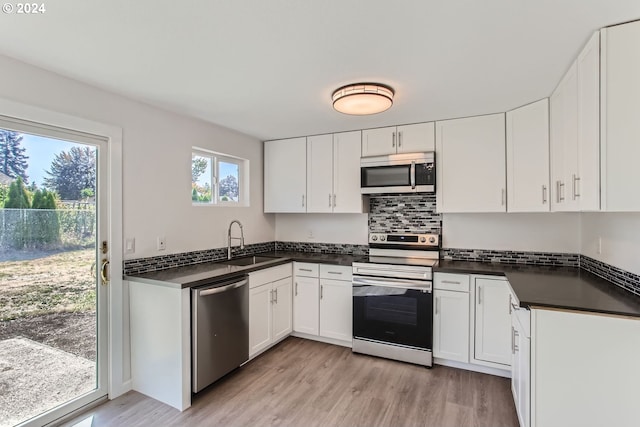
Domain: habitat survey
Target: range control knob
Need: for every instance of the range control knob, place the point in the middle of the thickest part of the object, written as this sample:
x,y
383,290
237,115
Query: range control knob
x,y
374,237
383,238
423,239
432,240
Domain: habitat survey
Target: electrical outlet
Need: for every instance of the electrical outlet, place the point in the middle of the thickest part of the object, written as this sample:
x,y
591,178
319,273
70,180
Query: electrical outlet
x,y
130,245
599,249
162,243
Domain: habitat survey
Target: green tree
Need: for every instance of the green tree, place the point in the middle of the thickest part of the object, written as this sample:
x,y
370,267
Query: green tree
x,y
13,161
4,193
18,197
72,172
229,188
45,223
198,166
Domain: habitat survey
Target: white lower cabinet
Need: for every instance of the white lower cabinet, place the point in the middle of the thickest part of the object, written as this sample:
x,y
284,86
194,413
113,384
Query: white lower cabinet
x,y
521,364
270,306
584,369
306,311
322,302
336,309
451,317
492,322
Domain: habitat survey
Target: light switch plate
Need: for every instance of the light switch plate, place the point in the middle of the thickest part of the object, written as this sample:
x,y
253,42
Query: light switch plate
x,y
130,245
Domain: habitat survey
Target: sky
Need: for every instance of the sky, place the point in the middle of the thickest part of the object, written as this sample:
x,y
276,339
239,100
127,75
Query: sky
x,y
41,152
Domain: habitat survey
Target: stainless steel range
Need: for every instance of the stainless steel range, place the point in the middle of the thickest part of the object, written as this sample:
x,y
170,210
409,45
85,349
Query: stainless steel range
x,y
393,299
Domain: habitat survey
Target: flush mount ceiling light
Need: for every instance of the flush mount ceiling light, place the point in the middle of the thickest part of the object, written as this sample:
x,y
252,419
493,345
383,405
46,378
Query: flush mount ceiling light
x,y
362,98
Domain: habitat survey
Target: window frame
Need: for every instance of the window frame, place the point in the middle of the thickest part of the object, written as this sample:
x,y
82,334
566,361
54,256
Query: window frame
x,y
243,178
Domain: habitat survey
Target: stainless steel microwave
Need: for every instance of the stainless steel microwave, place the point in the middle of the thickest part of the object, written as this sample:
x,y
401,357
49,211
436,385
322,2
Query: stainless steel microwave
x,y
398,173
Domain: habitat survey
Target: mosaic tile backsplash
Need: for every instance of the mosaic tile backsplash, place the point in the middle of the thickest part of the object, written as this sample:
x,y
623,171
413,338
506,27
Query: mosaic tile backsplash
x,y
325,248
511,257
163,262
622,278
404,213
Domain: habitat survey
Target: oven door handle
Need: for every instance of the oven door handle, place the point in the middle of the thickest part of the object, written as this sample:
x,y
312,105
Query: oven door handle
x,y
413,175
392,283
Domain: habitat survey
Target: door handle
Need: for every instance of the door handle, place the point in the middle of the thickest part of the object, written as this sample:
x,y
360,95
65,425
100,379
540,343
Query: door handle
x,y
296,289
399,139
393,139
334,200
103,272
544,194
413,174
503,197
479,296
221,289
321,291
275,291
561,191
576,192
303,200
437,303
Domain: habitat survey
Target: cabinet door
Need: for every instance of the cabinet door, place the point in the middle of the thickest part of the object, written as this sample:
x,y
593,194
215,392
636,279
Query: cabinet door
x,y
451,325
285,175
528,158
336,309
306,305
564,142
587,184
320,173
523,357
260,336
416,138
493,321
379,142
346,172
282,308
470,157
620,104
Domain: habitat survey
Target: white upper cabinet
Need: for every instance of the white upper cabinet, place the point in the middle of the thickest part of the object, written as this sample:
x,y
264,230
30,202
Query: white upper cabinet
x,y
575,106
528,158
620,131
285,175
346,172
333,173
470,163
414,138
320,173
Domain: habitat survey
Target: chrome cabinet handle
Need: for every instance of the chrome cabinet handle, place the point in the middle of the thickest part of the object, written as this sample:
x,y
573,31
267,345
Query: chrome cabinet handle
x,y
303,200
513,340
296,289
544,194
510,306
334,272
399,139
516,335
305,269
576,192
321,291
557,191
275,291
503,196
561,191
479,296
450,282
329,199
334,200
437,303
393,139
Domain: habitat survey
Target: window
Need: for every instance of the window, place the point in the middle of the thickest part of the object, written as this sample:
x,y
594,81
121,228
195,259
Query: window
x,y
218,179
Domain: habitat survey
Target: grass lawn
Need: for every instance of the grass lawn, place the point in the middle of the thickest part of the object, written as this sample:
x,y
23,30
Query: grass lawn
x,y
55,283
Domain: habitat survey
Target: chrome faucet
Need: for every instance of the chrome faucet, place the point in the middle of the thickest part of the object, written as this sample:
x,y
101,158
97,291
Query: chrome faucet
x,y
229,238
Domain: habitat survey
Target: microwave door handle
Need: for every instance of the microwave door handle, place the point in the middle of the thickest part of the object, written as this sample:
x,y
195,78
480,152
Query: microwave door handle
x,y
413,175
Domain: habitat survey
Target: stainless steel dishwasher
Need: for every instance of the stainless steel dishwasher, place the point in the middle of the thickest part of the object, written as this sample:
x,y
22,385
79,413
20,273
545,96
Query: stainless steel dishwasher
x,y
219,329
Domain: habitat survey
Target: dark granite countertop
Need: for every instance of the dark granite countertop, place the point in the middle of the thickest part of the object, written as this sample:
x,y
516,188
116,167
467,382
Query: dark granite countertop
x,y
201,274
554,287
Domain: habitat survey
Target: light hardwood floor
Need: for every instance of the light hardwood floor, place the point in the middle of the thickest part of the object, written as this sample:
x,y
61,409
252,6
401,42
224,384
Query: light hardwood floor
x,y
307,383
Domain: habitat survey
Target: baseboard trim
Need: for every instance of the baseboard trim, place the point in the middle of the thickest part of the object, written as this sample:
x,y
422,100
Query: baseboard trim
x,y
472,367
323,339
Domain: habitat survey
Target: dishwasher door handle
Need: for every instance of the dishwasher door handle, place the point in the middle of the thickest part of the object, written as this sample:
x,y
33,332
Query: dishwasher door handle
x,y
221,289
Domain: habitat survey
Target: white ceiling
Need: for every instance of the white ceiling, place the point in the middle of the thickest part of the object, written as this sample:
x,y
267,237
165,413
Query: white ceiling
x,y
267,67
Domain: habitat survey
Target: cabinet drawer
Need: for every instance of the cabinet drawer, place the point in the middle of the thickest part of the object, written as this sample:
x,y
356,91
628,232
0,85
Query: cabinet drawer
x,y
451,282
336,272
305,269
268,275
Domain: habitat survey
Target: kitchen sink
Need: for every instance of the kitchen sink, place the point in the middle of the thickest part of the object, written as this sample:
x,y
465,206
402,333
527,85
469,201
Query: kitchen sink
x,y
250,260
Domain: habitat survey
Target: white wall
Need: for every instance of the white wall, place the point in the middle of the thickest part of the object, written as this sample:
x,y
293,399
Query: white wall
x,y
326,228
545,232
620,235
156,162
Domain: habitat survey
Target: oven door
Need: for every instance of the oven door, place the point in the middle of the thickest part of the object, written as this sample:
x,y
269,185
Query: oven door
x,y
399,178
393,311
